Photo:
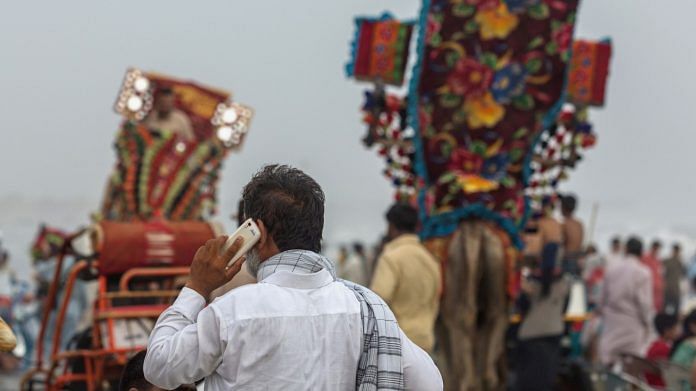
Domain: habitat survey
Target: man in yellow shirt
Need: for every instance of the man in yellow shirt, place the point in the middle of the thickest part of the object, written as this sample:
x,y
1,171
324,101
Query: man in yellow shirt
x,y
408,277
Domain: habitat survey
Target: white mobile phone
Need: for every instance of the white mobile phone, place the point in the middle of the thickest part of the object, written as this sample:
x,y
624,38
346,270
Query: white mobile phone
x,y
251,234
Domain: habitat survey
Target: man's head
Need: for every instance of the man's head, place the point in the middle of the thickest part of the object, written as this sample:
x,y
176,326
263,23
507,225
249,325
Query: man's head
x,y
676,250
288,207
133,378
402,219
358,248
655,247
548,206
591,249
568,204
615,244
164,100
634,246
667,326
4,257
689,324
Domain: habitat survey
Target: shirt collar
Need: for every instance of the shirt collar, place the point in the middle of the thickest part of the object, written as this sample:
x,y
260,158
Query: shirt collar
x,y
289,279
300,269
404,239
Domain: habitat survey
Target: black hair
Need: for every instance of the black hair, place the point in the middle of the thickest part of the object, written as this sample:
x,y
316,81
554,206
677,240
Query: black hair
x,y
403,217
568,203
686,330
591,249
616,241
655,244
240,212
290,204
132,375
676,247
663,322
164,91
358,247
634,246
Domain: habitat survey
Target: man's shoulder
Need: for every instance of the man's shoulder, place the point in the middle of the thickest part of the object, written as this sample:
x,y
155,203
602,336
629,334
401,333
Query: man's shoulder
x,y
262,300
176,113
406,247
643,270
181,117
574,221
627,265
245,293
658,349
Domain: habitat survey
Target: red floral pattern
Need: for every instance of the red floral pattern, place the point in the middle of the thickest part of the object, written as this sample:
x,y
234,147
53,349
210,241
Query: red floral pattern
x,y
470,78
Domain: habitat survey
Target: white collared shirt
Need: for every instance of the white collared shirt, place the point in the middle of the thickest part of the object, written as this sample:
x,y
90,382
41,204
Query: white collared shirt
x,y
290,331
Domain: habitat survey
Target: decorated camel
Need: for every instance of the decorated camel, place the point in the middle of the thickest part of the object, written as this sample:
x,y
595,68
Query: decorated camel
x,y
477,143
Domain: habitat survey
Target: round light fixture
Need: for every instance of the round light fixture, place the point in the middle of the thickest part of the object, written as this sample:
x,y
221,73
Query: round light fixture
x,y
236,138
224,133
134,103
141,84
229,116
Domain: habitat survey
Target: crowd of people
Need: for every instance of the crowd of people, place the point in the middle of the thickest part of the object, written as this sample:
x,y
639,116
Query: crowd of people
x,y
642,301
22,305
639,304
636,301
19,308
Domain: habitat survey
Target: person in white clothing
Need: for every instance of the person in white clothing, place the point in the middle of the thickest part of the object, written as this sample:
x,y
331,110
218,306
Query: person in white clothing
x,y
299,327
626,306
616,253
354,268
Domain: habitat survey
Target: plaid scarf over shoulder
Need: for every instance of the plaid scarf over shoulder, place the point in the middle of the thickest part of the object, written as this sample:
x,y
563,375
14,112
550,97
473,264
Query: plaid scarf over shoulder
x,y
380,366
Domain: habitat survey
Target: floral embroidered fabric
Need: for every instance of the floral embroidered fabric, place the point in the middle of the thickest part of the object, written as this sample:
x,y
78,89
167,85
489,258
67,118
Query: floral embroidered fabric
x,y
490,77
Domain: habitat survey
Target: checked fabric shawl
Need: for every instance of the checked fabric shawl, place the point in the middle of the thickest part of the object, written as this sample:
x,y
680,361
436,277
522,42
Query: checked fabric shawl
x,y
490,77
380,366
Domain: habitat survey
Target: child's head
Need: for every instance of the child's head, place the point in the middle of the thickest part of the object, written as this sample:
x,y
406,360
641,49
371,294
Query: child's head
x,y
667,326
690,324
133,379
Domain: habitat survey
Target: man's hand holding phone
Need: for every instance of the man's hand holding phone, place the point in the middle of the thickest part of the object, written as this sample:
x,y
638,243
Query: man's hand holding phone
x,y
209,269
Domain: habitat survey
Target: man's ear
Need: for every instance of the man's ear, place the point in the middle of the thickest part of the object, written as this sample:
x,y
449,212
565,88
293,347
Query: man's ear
x,y
263,233
132,389
266,245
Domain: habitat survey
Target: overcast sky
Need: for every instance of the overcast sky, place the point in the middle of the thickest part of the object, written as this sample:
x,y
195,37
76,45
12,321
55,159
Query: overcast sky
x,y
62,64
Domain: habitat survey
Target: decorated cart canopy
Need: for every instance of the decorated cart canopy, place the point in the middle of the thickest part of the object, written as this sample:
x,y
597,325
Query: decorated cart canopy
x,y
158,172
154,217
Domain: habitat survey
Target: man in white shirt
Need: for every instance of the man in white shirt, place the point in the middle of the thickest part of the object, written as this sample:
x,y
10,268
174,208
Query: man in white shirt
x,y
627,306
299,328
616,254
